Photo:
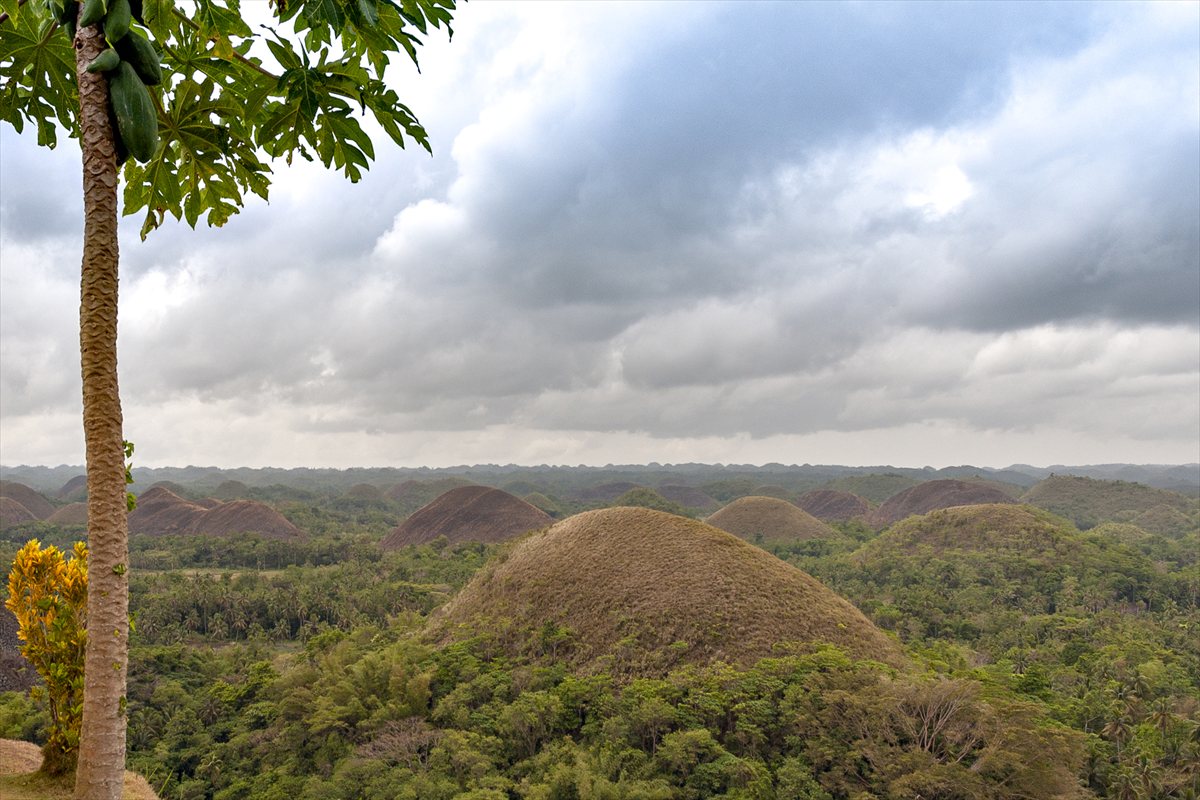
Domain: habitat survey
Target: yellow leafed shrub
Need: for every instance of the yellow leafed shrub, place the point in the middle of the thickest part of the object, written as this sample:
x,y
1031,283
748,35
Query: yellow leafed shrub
x,y
47,592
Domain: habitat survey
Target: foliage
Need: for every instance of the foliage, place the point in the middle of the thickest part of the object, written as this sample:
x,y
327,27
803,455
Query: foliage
x,y
232,94
47,593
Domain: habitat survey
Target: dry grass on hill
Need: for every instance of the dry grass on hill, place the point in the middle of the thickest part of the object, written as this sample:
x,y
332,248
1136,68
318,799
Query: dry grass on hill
x,y
995,527
769,520
19,780
468,514
33,502
932,495
13,513
832,505
642,591
161,512
70,514
74,490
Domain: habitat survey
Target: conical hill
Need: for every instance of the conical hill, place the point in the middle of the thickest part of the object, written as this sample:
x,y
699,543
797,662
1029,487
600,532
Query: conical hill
x,y
989,528
769,520
639,592
34,502
831,504
931,495
468,514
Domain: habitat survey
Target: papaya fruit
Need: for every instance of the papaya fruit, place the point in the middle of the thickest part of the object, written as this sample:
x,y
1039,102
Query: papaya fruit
x,y
117,20
93,12
122,152
138,51
105,62
137,121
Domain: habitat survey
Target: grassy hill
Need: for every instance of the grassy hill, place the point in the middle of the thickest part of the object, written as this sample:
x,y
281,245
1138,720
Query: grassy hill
x,y
1087,502
769,521
875,487
468,514
639,592
930,495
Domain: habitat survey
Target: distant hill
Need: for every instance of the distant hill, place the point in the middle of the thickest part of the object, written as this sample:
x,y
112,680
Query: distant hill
x,y
931,495
1088,502
984,528
641,497
415,493
70,514
161,512
74,490
34,503
638,592
689,497
231,490
874,487
768,521
13,513
606,492
468,514
367,492
831,505
543,503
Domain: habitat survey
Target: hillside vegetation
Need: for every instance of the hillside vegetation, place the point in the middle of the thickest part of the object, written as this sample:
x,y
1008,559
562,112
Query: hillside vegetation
x,y
637,592
1088,502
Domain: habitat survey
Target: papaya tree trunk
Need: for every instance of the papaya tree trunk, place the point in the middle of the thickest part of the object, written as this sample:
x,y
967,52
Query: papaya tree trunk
x,y
101,768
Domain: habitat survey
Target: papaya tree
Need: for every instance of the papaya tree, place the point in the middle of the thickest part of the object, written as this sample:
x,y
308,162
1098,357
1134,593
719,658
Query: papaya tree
x,y
188,103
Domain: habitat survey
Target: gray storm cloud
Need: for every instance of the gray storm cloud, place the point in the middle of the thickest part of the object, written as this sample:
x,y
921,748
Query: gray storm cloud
x,y
759,220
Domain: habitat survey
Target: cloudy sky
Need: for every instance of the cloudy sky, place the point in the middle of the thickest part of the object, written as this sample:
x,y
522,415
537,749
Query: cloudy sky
x,y
795,232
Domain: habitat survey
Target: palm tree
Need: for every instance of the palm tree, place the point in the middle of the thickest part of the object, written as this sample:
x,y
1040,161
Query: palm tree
x,y
1118,730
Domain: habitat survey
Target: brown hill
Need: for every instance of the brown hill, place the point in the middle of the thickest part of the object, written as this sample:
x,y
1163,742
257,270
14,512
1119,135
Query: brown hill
x,y
932,495
34,503
74,490
640,591
207,502
71,514
1087,502
769,520
830,505
689,497
244,516
13,513
161,512
468,514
